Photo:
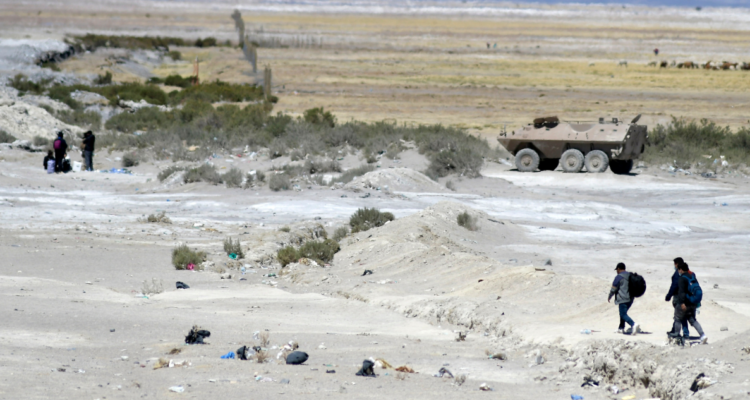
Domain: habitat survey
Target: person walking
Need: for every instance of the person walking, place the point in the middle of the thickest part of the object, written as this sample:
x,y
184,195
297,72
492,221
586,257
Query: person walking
x,y
61,147
685,308
620,291
672,295
88,150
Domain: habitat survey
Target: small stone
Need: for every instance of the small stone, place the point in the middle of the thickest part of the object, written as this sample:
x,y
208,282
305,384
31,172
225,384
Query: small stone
x,y
548,262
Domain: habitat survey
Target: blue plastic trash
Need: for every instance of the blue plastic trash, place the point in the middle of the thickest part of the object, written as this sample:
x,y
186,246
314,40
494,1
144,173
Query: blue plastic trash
x,y
576,397
229,355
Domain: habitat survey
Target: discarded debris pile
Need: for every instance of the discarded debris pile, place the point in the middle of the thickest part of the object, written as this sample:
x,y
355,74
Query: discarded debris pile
x,y
394,179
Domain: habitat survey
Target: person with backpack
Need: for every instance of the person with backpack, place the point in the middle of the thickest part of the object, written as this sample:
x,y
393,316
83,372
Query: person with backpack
x,y
689,296
61,147
672,295
623,298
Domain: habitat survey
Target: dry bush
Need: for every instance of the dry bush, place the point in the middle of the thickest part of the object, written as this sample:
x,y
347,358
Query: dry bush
x,y
233,247
460,380
130,160
366,218
233,178
160,218
182,255
6,137
204,173
340,233
265,339
279,182
261,356
167,172
450,186
285,229
352,296
467,221
156,286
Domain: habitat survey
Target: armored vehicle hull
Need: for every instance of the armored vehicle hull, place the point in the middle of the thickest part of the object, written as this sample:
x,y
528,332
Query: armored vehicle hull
x,y
547,143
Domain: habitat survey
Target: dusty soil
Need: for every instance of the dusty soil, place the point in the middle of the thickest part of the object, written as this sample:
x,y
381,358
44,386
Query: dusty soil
x,y
78,264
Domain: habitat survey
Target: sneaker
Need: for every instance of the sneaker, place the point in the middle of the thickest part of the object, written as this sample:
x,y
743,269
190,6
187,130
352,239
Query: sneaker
x,y
673,335
621,330
704,339
636,329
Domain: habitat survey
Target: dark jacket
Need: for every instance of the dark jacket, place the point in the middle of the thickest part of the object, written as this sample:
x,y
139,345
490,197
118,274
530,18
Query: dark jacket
x,y
682,290
63,146
46,159
88,142
673,289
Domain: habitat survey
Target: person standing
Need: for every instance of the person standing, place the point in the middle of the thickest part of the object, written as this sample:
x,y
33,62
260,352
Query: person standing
x,y
88,150
620,290
684,308
672,295
61,147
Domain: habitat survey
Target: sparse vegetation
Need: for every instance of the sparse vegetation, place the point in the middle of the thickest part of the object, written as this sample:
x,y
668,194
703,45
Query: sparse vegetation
x,y
40,141
167,172
318,116
160,218
321,252
683,144
450,186
207,42
21,83
233,178
182,256
367,218
204,173
178,80
131,159
279,182
92,42
6,137
105,79
265,339
155,286
232,247
353,296
352,173
86,119
261,356
467,221
285,229
175,55
340,233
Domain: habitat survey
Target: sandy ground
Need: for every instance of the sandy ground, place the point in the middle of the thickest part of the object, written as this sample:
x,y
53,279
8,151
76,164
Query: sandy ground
x,y
75,258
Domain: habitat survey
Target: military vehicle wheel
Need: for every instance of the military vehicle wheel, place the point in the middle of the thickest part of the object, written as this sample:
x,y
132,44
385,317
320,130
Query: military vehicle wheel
x,y
572,160
621,167
596,161
527,160
549,164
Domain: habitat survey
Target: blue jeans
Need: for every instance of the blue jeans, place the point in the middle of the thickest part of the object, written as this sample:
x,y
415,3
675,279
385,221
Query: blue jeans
x,y
624,307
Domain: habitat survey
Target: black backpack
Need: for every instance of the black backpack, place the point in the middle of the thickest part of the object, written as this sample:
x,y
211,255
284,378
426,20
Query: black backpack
x,y
636,285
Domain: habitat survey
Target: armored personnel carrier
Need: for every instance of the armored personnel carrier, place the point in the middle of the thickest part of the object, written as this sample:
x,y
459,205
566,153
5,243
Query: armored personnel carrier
x,y
547,143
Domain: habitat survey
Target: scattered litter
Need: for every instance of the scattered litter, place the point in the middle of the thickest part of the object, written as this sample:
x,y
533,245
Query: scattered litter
x,y
588,381
296,358
614,389
576,397
233,256
322,346
161,363
404,368
196,335
177,389
330,371
367,272
197,224
366,369
124,358
284,381
631,397
498,356
181,285
228,356
586,331
443,372
381,363
191,267
461,337
485,387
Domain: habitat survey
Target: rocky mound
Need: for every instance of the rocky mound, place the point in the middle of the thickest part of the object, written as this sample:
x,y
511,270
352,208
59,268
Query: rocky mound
x,y
394,180
25,120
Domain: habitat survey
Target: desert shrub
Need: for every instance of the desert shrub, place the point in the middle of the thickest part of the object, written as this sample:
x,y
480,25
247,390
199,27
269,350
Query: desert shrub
x,y
467,221
47,108
318,116
207,42
22,83
156,286
159,218
204,173
40,141
352,173
231,246
285,229
50,65
177,80
366,218
233,178
131,159
340,233
450,186
105,79
182,255
684,142
463,161
86,119
218,91
92,42
276,125
260,176
167,172
279,182
321,166
287,255
6,137
133,91
175,55
321,252
155,80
